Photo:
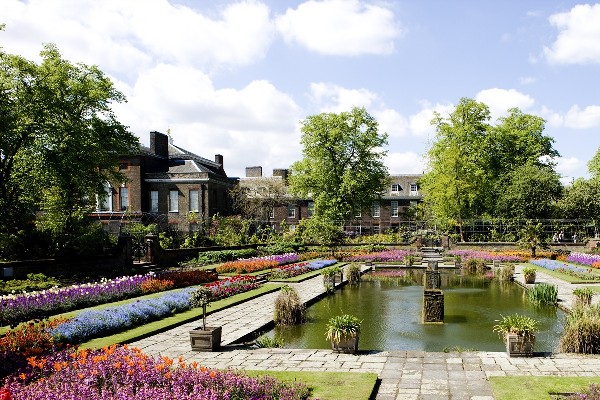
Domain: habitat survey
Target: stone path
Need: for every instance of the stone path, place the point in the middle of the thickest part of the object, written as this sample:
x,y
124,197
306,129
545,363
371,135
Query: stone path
x,y
404,375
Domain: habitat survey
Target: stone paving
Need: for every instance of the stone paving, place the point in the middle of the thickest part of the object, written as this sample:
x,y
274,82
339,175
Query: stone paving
x,y
404,375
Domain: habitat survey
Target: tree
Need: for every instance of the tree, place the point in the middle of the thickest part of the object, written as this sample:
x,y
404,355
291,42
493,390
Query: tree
x,y
581,200
254,198
529,191
456,172
342,168
594,165
532,236
59,141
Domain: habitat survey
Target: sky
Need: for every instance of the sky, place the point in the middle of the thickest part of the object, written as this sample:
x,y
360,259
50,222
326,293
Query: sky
x,y
237,78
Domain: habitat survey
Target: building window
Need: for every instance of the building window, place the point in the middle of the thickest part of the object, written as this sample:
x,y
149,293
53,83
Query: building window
x,y
376,230
394,208
272,213
414,189
124,198
376,209
311,208
396,187
104,202
154,201
173,200
291,211
194,200
357,214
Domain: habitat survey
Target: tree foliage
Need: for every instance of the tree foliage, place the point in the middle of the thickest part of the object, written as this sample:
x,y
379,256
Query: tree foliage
x,y
254,198
342,167
476,169
59,140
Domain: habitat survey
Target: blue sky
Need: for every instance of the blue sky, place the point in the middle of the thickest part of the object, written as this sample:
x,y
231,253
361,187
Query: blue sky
x,y
236,77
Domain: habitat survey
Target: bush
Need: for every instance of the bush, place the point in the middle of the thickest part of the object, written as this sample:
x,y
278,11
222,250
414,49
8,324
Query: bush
x,y
543,293
269,342
475,265
157,285
219,256
33,282
582,331
289,309
506,273
353,271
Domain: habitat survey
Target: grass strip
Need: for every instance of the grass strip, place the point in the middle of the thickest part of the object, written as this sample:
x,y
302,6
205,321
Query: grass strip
x,y
329,385
537,387
173,321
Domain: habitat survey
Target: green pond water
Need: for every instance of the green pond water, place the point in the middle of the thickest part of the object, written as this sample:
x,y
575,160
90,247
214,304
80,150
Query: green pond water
x,y
391,311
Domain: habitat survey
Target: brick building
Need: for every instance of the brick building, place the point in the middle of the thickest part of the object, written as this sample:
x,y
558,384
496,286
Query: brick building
x,y
167,185
390,212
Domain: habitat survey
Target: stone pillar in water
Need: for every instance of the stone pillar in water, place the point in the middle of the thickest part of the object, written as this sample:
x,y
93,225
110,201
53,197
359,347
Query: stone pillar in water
x,y
433,306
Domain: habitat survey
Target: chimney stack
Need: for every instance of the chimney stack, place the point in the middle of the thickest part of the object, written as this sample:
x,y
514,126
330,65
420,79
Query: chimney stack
x,y
219,159
159,144
253,172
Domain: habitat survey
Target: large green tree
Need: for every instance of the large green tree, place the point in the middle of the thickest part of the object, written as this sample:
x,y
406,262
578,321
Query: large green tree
x,y
456,174
59,141
342,168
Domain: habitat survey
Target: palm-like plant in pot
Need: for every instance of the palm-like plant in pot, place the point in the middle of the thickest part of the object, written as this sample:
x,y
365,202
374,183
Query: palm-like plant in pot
x,y
518,332
529,274
204,338
343,332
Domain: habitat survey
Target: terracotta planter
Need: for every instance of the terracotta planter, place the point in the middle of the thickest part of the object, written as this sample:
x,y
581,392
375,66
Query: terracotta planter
x,y
530,278
208,339
519,345
347,345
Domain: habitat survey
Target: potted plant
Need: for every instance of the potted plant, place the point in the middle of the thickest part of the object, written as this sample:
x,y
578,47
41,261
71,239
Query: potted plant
x,y
457,261
583,296
518,332
204,338
529,274
409,260
343,332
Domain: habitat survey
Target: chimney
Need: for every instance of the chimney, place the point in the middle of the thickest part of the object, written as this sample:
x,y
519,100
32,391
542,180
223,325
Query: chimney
x,y
219,159
159,144
253,172
283,173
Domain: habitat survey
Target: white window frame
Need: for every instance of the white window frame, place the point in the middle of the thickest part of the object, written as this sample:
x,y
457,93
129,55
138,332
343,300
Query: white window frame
x,y
174,201
154,201
291,211
194,200
397,186
272,213
376,210
394,208
123,195
310,209
414,189
105,204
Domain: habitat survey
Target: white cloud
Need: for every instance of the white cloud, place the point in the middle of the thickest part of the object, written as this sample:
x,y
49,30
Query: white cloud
x,y
333,98
391,122
420,123
126,36
553,119
501,100
568,168
527,80
340,27
578,40
577,118
405,163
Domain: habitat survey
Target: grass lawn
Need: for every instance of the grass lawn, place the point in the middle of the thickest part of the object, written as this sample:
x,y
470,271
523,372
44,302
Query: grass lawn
x,y
329,385
537,387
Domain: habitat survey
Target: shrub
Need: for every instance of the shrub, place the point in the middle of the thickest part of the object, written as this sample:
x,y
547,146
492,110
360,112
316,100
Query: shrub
x,y
543,293
289,309
353,271
33,282
341,327
516,323
474,265
583,296
581,333
269,342
529,274
507,273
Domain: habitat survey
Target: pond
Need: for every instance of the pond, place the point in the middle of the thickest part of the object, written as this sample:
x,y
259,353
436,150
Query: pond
x,y
391,311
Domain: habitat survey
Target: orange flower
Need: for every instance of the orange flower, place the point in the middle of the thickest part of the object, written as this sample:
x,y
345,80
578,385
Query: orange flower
x,y
117,365
203,368
168,375
212,374
22,376
194,365
57,366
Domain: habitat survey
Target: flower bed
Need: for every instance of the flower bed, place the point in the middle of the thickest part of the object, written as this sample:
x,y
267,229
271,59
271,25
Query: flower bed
x,y
289,271
96,323
382,256
36,305
512,256
568,269
257,263
123,373
230,286
592,260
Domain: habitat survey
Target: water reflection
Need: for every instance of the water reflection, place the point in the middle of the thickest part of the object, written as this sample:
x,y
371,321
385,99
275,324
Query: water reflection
x,y
391,313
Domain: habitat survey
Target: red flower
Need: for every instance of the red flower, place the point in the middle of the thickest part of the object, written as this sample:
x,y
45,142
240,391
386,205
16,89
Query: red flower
x,y
5,394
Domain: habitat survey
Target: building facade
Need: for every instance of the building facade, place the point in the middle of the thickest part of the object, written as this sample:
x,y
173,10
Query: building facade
x,y
167,185
392,211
